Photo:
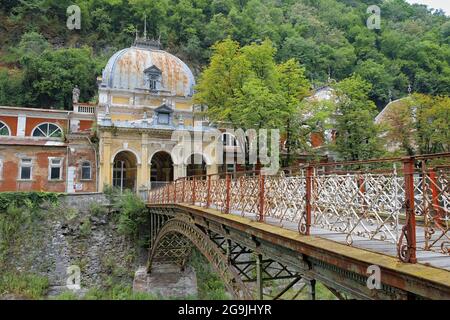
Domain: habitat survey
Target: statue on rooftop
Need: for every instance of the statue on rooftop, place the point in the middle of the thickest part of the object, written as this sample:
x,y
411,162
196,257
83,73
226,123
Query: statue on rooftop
x,y
75,94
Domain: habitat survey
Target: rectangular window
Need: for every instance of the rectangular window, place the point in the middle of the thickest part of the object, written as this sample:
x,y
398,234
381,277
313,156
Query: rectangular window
x,y
152,84
54,168
163,118
26,167
1,169
86,171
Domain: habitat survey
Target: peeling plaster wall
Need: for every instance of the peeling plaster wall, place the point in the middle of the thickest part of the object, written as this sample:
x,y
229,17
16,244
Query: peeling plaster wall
x,y
11,155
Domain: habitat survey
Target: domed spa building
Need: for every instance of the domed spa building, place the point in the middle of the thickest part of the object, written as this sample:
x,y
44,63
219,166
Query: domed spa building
x,y
145,94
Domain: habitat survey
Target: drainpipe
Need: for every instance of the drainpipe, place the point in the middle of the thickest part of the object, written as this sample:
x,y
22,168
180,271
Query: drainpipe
x,y
69,114
96,163
67,168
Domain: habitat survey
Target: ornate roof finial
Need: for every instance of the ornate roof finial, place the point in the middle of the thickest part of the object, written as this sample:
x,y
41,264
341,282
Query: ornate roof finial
x,y
144,41
409,88
390,95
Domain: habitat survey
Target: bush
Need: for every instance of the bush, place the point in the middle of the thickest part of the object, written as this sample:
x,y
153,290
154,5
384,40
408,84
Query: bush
x,y
118,292
111,193
210,285
131,213
28,286
67,295
85,227
10,223
97,209
32,200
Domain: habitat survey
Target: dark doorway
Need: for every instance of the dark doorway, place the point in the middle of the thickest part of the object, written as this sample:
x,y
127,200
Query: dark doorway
x,y
162,169
196,166
125,171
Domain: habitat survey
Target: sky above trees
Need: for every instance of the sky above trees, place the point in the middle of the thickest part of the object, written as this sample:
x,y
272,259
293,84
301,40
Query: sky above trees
x,y
436,4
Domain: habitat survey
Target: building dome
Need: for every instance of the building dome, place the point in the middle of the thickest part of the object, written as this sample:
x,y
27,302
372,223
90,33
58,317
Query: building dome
x,y
127,69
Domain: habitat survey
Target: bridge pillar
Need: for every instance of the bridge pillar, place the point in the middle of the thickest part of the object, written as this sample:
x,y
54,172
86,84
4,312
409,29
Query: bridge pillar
x,y
259,278
312,289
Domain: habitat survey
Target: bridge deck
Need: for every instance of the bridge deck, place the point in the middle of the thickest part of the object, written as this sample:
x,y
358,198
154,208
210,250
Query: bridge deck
x,y
430,258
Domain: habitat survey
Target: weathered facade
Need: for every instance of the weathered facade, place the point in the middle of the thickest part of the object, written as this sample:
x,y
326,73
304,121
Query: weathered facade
x,y
47,150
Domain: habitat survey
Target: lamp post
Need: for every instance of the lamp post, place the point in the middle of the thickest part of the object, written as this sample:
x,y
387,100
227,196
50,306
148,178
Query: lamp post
x,y
121,176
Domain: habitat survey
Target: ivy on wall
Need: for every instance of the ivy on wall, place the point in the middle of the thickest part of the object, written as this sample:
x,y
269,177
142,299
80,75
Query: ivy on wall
x,y
30,200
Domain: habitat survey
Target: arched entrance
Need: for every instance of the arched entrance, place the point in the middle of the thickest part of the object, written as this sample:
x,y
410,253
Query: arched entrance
x,y
161,170
196,165
125,171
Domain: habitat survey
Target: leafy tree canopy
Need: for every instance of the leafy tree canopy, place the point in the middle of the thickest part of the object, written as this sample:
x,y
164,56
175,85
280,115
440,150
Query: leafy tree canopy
x,y
419,124
246,87
329,38
357,134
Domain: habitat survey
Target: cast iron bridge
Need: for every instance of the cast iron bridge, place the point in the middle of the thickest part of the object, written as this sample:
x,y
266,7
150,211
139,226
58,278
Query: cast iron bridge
x,y
333,223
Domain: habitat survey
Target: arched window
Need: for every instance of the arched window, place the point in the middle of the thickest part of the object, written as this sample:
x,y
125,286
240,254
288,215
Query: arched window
x,y
47,130
86,170
229,140
4,129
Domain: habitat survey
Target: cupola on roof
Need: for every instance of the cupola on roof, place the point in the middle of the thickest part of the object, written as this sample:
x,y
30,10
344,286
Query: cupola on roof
x,y
128,68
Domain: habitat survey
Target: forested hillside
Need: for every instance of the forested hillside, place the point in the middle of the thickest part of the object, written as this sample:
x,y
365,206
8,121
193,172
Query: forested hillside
x,y
328,37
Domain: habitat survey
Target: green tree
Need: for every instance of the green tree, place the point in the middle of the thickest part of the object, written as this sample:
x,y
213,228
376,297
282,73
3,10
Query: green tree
x,y
418,124
294,87
399,126
432,123
328,37
50,77
376,74
246,87
11,88
357,134
222,80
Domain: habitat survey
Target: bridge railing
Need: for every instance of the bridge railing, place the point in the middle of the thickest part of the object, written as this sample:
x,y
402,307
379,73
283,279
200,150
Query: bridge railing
x,y
393,200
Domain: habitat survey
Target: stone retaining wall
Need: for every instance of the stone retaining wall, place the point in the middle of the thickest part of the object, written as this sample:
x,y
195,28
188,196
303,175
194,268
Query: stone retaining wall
x,y
71,234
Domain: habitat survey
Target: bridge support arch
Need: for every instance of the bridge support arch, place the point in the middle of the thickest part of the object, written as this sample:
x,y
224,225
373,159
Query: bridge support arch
x,y
245,272
173,245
